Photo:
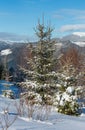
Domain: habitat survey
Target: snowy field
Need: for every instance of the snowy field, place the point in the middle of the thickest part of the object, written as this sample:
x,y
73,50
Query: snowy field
x,y
55,120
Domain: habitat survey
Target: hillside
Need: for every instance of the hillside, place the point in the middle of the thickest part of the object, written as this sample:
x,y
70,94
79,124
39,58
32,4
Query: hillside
x,y
55,120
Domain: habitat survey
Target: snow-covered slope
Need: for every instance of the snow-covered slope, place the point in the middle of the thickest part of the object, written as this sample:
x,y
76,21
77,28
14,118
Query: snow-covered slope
x,y
55,120
81,44
6,52
81,34
78,38
75,36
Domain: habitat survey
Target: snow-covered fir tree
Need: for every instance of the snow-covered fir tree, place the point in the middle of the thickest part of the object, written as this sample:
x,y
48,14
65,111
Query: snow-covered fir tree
x,y
43,65
66,97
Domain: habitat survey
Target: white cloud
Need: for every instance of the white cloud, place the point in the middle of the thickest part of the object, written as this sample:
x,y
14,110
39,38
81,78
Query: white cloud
x,y
70,27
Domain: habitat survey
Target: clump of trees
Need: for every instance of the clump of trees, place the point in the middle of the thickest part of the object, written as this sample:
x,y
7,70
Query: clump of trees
x,y
66,98
73,62
45,85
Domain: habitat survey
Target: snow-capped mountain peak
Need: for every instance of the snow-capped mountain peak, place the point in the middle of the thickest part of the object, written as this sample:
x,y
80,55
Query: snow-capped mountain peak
x,y
81,34
81,44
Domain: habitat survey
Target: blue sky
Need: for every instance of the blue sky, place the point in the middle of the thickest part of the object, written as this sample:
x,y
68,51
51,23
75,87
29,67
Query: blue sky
x,y
21,16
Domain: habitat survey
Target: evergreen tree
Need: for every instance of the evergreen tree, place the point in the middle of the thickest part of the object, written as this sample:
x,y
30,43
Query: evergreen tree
x,y
44,59
66,97
43,64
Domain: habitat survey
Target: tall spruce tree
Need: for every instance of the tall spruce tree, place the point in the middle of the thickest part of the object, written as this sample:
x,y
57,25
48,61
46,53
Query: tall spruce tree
x,y
44,59
43,64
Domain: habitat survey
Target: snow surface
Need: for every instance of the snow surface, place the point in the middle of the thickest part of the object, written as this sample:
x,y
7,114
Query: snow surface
x,y
81,34
81,44
55,120
70,90
6,52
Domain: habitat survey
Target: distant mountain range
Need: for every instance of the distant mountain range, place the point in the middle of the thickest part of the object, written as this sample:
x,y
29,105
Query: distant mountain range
x,y
18,48
76,39
11,37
